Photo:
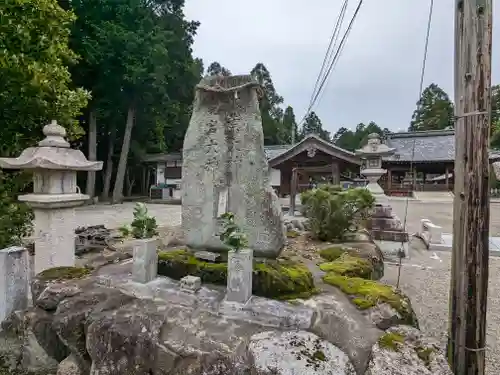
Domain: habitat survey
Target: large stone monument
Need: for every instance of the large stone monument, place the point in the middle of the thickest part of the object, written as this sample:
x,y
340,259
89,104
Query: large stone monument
x,y
225,168
55,195
384,225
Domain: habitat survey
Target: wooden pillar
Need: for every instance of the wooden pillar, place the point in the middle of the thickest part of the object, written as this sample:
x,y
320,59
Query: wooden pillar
x,y
293,191
471,211
335,173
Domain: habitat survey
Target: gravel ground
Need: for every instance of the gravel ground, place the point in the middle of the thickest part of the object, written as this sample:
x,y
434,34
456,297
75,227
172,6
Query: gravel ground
x,y
427,281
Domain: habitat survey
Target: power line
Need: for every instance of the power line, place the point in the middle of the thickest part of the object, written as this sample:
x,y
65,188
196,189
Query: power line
x,y
332,43
421,87
334,60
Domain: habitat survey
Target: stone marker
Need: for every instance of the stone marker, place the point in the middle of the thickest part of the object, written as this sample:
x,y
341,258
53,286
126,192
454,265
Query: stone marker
x,y
225,169
191,283
145,260
239,276
55,195
14,280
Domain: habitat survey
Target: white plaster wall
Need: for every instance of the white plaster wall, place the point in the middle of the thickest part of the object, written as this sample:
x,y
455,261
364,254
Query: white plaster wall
x,y
160,173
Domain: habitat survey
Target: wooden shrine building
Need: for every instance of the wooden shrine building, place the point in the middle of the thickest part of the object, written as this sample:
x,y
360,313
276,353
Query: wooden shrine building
x,y
423,161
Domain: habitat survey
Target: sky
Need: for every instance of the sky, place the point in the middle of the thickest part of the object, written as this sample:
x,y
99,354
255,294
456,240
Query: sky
x,y
378,74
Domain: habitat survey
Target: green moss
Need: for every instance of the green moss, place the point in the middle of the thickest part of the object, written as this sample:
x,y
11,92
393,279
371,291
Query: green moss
x,y
64,273
280,280
367,293
318,355
332,253
425,354
347,265
292,234
391,341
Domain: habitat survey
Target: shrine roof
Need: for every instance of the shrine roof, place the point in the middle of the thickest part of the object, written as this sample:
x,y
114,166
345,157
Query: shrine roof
x,y
430,146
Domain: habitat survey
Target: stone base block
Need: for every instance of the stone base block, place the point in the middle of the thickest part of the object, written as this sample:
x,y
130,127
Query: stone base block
x,y
239,276
145,260
390,236
191,283
382,211
14,280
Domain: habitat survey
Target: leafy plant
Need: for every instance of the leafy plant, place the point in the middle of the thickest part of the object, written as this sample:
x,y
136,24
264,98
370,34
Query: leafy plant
x,y
232,236
334,212
143,225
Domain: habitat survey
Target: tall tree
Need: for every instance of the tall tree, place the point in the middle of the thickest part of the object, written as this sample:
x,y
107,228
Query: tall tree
x,y
35,88
269,103
312,125
434,110
352,140
216,69
136,58
289,128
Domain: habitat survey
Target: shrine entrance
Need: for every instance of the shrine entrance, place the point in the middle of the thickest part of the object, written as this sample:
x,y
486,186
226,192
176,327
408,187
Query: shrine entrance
x,y
313,161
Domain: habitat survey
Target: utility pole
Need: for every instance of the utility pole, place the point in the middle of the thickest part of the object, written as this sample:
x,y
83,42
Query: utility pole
x,y
471,206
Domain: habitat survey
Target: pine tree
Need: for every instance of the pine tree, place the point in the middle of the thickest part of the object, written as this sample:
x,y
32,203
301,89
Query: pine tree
x,y
434,110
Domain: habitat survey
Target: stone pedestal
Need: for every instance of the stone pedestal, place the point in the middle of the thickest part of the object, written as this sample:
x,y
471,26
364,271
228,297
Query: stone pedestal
x,y
14,280
239,276
384,225
431,234
145,260
55,195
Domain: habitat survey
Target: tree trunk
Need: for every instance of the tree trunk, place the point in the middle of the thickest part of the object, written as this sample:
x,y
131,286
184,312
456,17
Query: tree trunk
x,y
109,164
130,182
90,190
122,165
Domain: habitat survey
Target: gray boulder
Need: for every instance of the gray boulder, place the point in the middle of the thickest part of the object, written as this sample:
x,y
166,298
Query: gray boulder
x,y
403,350
300,352
223,154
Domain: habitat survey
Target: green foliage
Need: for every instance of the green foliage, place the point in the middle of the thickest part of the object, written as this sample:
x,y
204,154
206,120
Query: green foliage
x,y
16,218
353,140
35,88
143,225
216,69
231,235
333,212
312,125
434,110
289,127
278,280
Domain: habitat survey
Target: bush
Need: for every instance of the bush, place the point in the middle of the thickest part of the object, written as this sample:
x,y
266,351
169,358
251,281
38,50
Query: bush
x,y
334,212
143,225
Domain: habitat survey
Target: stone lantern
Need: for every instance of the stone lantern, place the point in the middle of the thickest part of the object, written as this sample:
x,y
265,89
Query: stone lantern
x,y
55,195
372,154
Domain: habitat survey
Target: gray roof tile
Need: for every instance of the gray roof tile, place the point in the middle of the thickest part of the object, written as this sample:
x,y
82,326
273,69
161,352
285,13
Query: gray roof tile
x,y
436,145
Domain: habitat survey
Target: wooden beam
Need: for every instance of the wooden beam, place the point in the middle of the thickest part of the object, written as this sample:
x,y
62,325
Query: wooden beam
x,y
471,211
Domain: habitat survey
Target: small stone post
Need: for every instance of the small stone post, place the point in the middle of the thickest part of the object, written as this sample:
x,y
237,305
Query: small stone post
x,y
145,260
55,196
14,280
239,276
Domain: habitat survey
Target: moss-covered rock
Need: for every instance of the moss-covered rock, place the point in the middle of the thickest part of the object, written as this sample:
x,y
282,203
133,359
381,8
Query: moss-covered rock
x,y
292,234
363,250
272,279
331,254
63,273
366,294
351,266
